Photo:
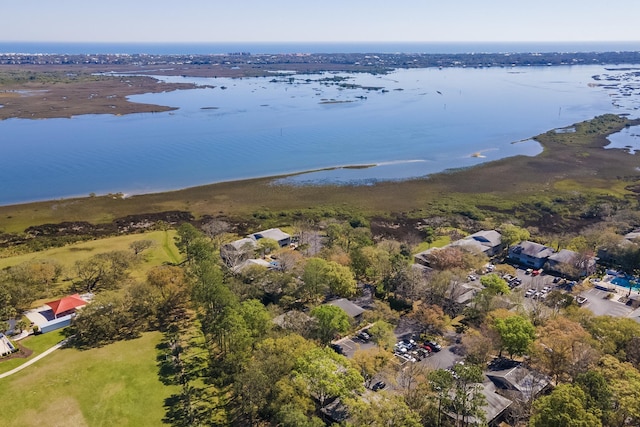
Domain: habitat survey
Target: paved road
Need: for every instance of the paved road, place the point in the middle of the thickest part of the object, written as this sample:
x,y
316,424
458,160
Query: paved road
x,y
34,360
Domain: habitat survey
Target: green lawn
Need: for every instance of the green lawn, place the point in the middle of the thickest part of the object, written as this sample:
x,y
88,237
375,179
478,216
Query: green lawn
x,y
37,343
116,385
439,242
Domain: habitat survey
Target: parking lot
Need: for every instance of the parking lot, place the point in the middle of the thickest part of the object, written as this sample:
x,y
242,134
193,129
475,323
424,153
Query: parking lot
x,y
350,345
600,305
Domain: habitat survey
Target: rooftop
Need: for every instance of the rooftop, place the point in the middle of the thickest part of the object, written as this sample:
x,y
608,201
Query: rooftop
x,y
350,308
272,233
532,249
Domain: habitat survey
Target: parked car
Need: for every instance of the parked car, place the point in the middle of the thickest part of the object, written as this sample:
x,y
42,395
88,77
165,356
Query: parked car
x,y
364,336
337,348
434,346
581,300
409,343
514,283
378,386
423,352
536,272
529,293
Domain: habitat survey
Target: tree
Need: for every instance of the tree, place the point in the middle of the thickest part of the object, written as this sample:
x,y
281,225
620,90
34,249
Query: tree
x,y
289,261
612,333
347,236
340,280
215,229
441,382
321,276
291,415
331,320
467,400
108,318
431,317
139,246
478,345
382,334
452,257
103,271
512,234
597,392
189,241
326,374
387,410
266,246
256,317
624,383
374,263
371,362
564,407
516,334
563,348
314,279
495,284
272,360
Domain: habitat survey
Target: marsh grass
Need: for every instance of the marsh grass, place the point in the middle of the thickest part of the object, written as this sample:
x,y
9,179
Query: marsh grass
x,y
571,166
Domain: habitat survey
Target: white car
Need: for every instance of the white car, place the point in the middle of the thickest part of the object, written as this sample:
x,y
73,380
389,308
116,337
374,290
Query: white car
x,y
529,293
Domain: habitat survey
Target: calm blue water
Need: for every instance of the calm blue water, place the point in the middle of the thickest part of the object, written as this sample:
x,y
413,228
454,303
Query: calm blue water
x,y
621,281
428,121
253,47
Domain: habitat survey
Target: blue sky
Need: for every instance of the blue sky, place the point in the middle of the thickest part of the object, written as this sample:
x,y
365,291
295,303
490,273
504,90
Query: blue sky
x,y
328,20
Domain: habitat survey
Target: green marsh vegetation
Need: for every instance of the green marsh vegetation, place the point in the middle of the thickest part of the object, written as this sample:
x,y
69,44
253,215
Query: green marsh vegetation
x,y
571,179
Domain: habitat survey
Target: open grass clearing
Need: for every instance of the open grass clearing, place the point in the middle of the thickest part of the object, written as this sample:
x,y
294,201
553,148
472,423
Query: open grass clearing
x,y
115,385
162,251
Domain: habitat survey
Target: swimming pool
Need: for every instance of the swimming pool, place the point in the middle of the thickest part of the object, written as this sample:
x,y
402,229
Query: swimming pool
x,y
626,281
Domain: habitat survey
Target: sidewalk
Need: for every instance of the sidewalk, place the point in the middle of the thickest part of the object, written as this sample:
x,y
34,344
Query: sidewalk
x,y
34,360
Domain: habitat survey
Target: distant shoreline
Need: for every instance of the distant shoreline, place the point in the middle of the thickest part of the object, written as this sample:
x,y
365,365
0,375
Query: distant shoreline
x,y
256,47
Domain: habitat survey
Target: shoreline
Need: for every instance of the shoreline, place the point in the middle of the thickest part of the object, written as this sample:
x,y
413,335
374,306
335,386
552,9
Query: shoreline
x,y
272,180
128,194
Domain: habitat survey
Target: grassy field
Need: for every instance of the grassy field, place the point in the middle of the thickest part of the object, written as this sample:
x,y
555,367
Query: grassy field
x,y
36,343
116,385
162,251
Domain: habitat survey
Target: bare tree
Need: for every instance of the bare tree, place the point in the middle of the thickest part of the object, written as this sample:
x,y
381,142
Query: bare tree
x,y
215,230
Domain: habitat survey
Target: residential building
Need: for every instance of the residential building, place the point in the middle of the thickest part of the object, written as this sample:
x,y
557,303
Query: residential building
x,y
571,264
276,234
236,252
489,242
530,254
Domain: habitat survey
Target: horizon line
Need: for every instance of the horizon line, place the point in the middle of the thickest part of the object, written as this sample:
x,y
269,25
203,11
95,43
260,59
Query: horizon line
x,y
320,41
